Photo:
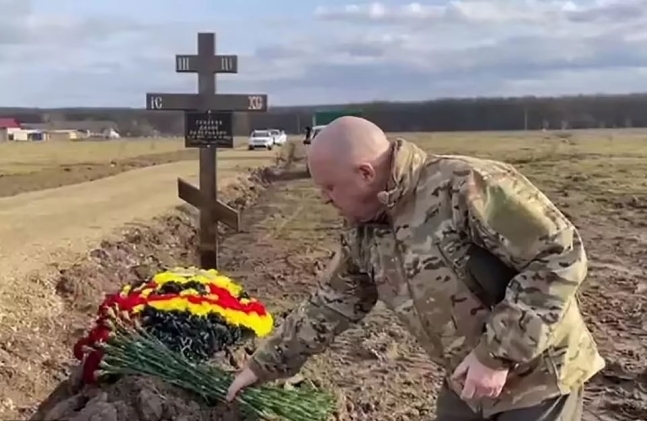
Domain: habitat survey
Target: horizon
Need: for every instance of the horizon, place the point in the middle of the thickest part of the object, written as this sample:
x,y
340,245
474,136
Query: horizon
x,y
67,54
356,104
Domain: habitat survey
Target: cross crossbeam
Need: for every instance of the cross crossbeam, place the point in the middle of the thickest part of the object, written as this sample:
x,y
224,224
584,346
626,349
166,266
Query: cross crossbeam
x,y
213,102
206,64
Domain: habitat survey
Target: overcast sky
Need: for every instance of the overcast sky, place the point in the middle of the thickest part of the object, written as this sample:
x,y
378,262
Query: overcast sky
x,y
110,53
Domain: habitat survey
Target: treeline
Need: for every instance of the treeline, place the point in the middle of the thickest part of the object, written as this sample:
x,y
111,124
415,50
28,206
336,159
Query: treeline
x,y
474,114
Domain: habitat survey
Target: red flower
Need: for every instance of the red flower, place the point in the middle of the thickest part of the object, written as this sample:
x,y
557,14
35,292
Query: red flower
x,y
120,302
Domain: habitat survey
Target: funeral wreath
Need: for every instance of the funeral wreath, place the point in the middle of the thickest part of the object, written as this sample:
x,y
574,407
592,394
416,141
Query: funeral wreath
x,y
168,327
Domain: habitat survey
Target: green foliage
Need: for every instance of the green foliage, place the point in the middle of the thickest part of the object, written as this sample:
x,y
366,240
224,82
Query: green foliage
x,y
197,338
130,352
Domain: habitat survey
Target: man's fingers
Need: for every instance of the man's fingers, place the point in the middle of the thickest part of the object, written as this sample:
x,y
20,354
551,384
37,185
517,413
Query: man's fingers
x,y
236,386
243,379
483,392
460,371
233,391
468,390
496,392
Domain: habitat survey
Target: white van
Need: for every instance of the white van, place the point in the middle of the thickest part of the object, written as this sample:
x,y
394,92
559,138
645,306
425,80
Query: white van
x,y
260,139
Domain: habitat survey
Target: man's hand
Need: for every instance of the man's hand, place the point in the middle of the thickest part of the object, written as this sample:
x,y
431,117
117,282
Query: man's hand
x,y
245,378
480,381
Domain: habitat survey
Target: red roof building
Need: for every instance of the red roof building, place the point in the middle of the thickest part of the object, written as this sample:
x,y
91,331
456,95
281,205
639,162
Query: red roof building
x,y
9,123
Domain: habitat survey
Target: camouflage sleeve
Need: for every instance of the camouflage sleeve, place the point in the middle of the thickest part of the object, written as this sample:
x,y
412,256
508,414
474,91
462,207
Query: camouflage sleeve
x,y
507,215
344,296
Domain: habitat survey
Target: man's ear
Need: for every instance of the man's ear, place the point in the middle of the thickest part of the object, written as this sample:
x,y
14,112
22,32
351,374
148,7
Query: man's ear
x,y
367,172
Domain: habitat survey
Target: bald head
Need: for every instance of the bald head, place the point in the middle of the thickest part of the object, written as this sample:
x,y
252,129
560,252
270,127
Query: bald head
x,y
349,161
349,141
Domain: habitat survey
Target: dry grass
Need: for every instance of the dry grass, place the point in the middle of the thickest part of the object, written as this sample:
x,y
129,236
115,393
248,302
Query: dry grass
x,y
27,157
28,167
21,157
600,162
604,167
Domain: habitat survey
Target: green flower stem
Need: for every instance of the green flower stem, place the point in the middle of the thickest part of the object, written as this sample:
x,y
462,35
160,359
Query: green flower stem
x,y
139,353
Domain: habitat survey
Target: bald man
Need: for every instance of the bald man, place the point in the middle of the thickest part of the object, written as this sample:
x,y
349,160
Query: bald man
x,y
478,264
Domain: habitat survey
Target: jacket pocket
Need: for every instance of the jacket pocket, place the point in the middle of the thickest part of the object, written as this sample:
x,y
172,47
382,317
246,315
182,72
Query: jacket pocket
x,y
487,276
468,312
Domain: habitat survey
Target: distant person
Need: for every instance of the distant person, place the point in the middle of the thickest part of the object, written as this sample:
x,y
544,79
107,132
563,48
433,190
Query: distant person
x,y
478,264
308,133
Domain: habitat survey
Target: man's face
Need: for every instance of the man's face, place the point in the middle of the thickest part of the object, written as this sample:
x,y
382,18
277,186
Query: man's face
x,y
353,191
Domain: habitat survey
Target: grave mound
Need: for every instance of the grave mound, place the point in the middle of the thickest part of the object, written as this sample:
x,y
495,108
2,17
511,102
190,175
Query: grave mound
x,y
132,398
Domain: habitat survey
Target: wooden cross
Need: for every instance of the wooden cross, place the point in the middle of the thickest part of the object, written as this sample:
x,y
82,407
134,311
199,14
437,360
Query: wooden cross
x,y
208,124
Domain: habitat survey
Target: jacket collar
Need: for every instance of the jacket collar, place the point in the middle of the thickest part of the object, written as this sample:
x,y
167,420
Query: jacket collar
x,y
407,160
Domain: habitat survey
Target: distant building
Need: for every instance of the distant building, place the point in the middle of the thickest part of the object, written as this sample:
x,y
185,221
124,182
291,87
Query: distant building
x,y
28,135
66,134
9,123
74,130
8,126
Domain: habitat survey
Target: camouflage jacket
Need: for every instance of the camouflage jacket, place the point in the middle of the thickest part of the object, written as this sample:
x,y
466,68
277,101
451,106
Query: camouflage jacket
x,y
473,257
